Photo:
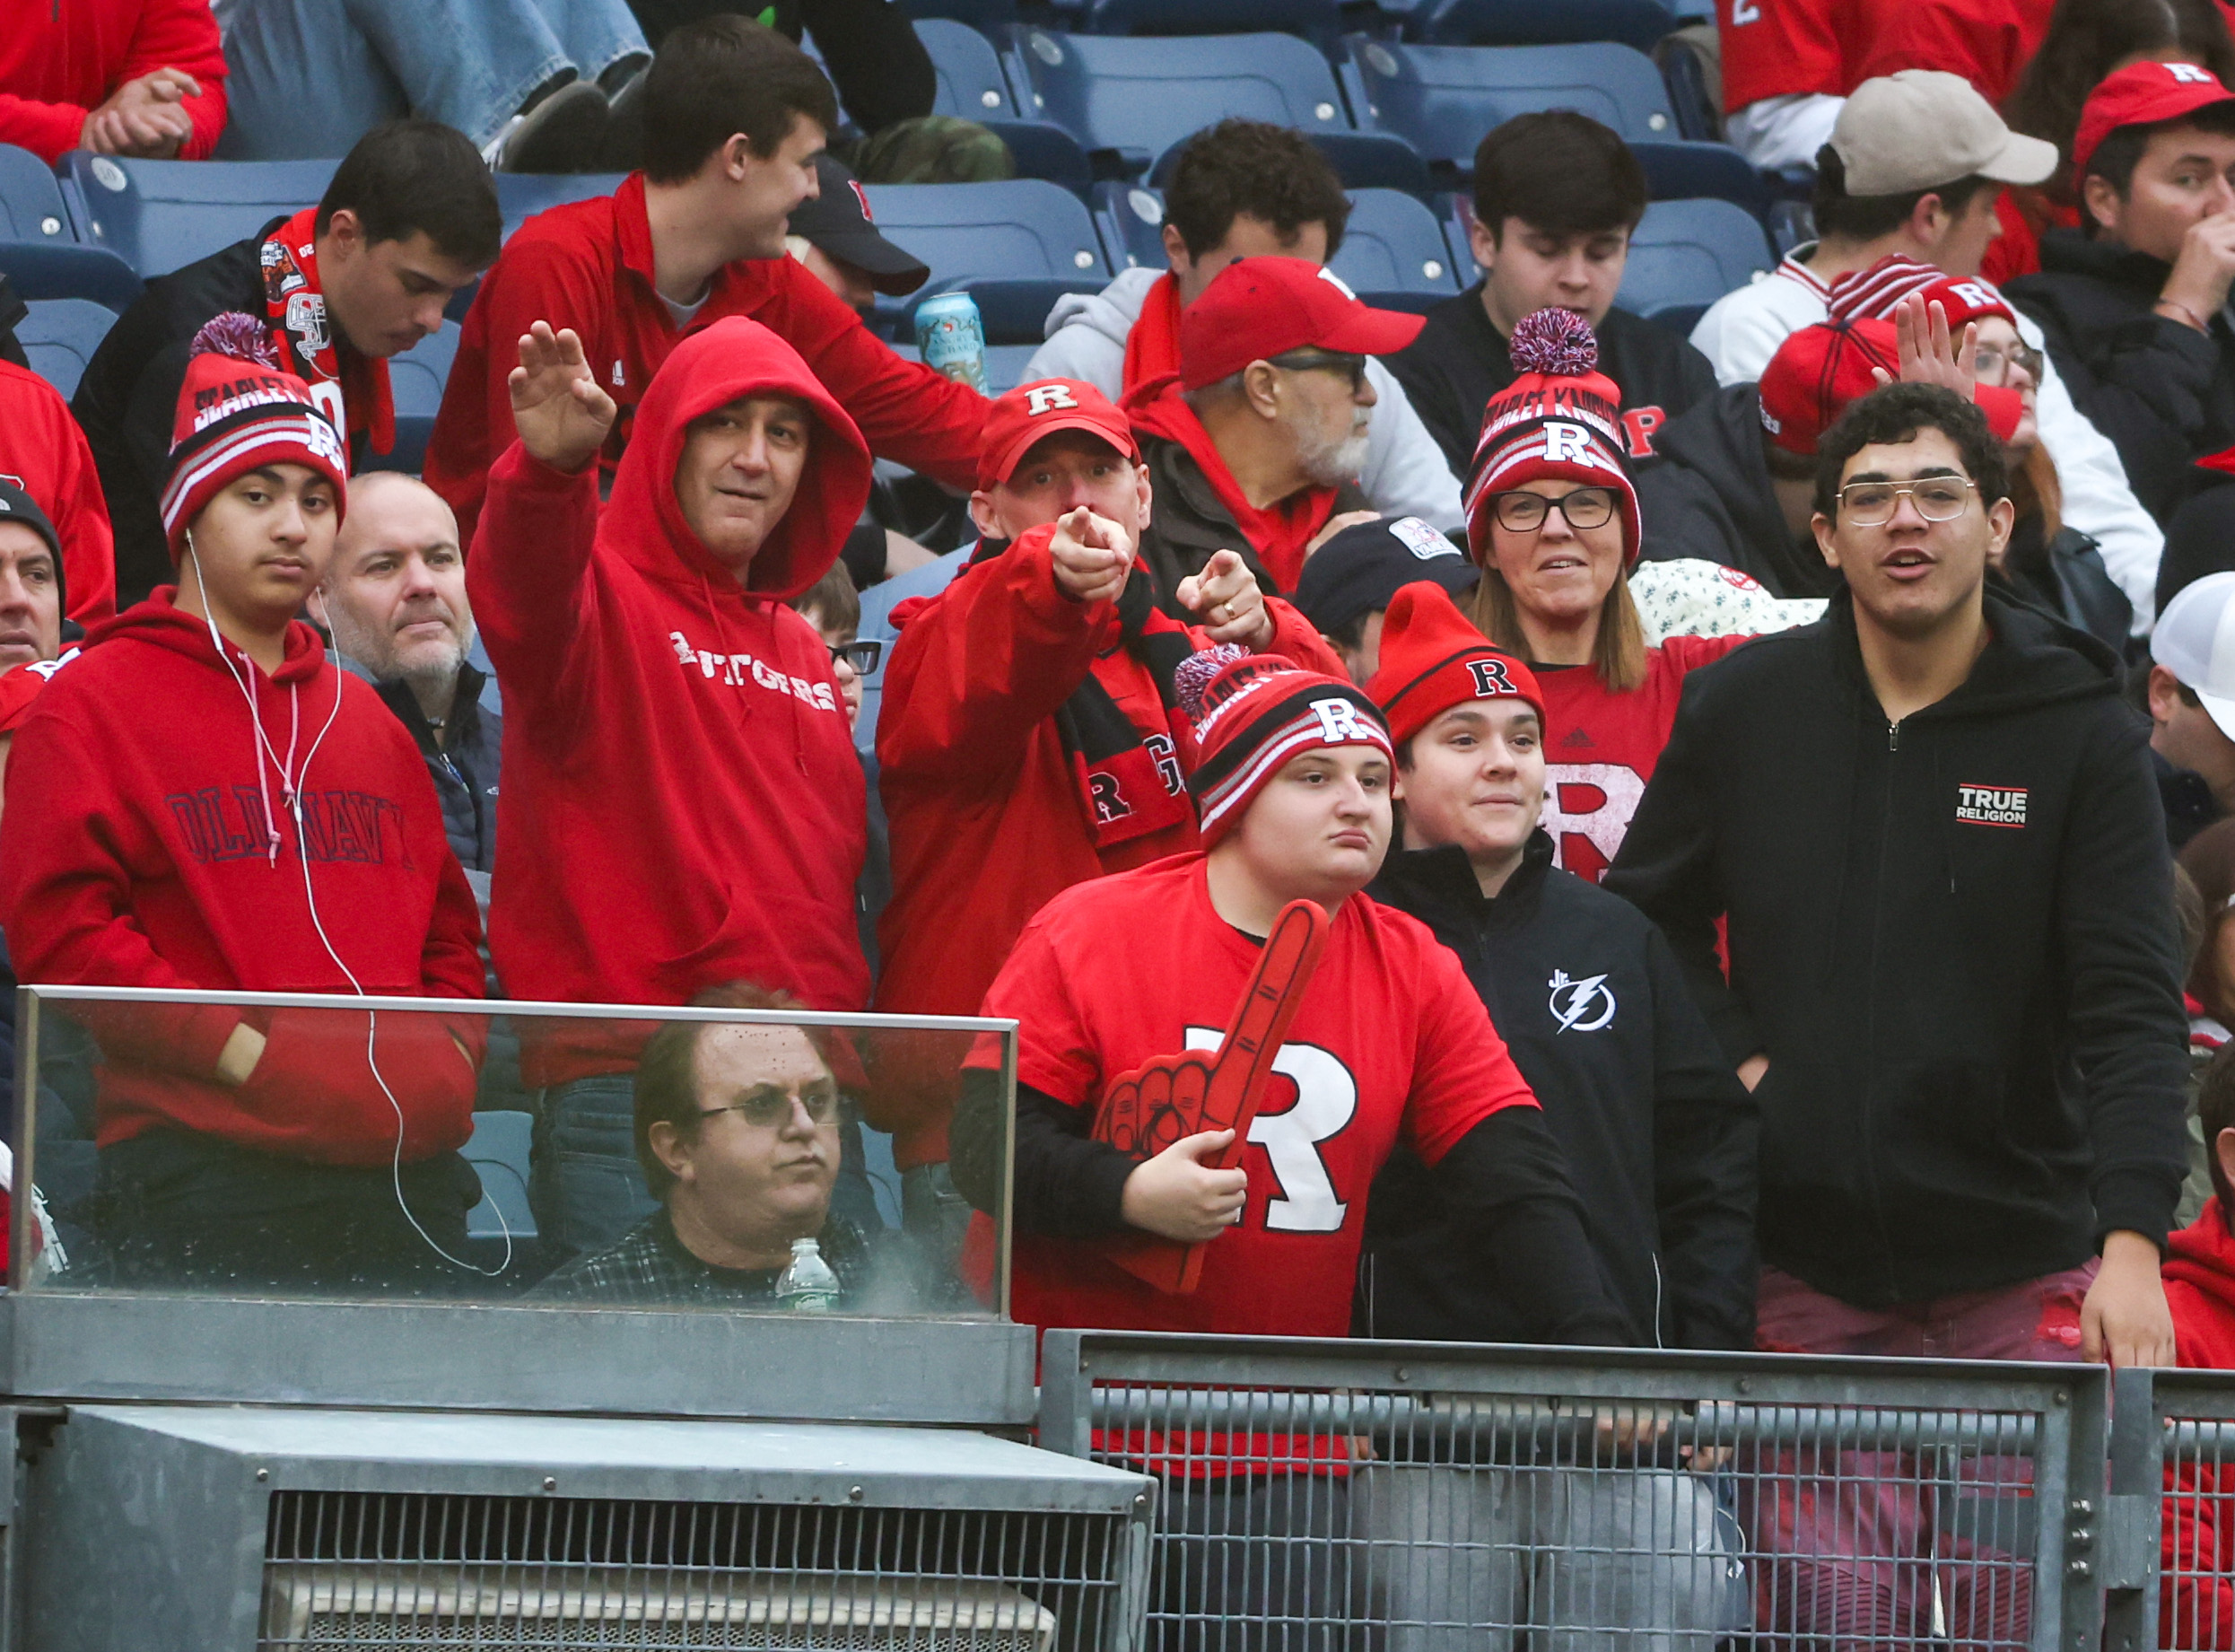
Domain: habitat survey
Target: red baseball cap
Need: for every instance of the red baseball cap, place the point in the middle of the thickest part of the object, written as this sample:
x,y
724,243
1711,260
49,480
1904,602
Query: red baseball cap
x,y
1260,307
1022,416
2141,94
1818,371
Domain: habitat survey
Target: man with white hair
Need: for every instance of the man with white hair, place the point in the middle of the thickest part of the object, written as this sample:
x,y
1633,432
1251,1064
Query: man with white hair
x,y
394,600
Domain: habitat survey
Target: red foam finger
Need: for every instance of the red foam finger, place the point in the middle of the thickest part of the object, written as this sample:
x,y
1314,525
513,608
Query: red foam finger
x,y
1268,1005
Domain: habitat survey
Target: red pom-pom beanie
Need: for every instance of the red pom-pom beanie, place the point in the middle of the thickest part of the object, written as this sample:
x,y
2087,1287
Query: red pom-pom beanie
x,y
1252,713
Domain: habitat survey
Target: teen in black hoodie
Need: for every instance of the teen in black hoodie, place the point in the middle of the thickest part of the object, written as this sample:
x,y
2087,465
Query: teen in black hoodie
x,y
1930,825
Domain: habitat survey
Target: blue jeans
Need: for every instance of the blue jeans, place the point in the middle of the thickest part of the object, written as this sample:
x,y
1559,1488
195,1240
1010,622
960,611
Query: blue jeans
x,y
308,78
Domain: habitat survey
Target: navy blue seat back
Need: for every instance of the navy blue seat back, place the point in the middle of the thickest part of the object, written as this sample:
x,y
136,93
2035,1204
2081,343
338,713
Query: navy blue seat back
x,y
1321,18
1687,253
31,200
1028,232
1444,98
1393,251
521,195
50,269
415,379
60,335
158,215
1131,217
1534,23
970,81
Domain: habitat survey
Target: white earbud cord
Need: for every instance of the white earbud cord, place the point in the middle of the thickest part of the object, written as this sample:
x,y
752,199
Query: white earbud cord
x,y
291,800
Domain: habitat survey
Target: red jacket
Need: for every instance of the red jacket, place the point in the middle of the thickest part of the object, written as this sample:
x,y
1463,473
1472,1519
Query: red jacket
x,y
682,806
59,61
588,266
2197,1607
43,450
988,817
134,852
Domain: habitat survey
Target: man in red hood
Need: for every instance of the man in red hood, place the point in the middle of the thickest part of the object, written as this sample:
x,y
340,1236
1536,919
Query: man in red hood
x,y
2197,1608
1255,444
203,801
1031,739
735,116
683,804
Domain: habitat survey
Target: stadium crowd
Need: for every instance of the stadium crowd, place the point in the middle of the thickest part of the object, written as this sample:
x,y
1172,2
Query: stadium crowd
x,y
1721,842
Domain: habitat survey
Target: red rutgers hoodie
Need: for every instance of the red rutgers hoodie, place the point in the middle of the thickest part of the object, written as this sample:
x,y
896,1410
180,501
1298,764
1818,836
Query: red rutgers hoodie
x,y
682,806
148,842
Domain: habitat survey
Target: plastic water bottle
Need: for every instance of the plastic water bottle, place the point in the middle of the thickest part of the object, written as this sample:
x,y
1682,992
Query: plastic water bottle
x,y
806,1285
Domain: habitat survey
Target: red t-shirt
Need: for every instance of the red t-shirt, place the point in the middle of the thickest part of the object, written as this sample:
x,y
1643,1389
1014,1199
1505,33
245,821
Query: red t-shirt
x,y
1775,48
1600,746
1391,1041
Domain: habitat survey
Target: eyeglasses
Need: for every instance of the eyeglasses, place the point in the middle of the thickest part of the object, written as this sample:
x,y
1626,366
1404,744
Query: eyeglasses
x,y
1524,512
1989,361
765,1106
1937,499
1321,360
861,656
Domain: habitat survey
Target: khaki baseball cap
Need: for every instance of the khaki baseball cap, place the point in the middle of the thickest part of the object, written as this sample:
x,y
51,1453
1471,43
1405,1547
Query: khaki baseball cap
x,y
1909,131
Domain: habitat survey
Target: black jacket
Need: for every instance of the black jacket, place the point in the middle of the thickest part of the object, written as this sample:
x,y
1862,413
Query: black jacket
x,y
465,772
129,399
2064,578
2161,391
1712,498
1459,362
1659,1135
2186,800
882,71
1953,939
1187,521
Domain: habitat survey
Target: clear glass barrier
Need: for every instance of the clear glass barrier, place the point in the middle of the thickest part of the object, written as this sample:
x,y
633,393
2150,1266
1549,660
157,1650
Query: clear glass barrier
x,y
712,1158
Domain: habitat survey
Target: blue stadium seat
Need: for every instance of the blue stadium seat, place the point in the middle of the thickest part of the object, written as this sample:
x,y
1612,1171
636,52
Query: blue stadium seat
x,y
44,269
977,14
1130,218
1687,253
31,200
1136,98
1678,171
1455,213
1026,231
1443,98
60,335
1533,22
1362,159
521,195
1320,19
498,1151
158,215
970,80
415,380
1393,253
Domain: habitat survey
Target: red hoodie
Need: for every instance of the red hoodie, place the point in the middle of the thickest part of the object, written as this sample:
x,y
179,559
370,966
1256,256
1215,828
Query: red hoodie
x,y
59,62
988,819
2197,1607
682,806
134,853
44,452
588,266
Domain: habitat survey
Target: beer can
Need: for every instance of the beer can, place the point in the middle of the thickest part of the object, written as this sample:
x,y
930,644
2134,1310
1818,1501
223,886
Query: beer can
x,y
951,339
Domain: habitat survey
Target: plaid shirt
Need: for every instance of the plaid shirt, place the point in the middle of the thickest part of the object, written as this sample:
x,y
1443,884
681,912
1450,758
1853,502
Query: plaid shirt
x,y
652,1267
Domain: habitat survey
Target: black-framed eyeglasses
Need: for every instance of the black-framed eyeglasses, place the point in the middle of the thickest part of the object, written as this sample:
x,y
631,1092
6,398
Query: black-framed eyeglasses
x,y
1323,360
1937,499
1524,512
768,1106
861,656
1988,360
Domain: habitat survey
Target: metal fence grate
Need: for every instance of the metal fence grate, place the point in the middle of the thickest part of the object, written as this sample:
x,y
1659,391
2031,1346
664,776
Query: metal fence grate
x,y
423,1571
1319,1496
2170,1524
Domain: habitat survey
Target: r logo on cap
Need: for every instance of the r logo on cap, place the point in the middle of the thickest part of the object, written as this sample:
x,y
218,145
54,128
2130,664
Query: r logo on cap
x,y
2189,73
1566,444
1041,399
1336,282
1338,722
1490,678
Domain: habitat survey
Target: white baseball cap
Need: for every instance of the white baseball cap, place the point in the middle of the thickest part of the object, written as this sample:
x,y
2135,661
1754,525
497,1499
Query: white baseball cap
x,y
2195,640
1919,128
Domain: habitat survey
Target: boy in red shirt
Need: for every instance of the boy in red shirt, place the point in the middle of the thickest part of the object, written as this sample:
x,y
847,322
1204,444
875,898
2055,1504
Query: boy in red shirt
x,y
203,801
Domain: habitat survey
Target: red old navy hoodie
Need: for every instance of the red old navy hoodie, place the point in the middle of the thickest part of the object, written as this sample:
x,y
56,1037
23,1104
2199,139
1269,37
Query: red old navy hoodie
x,y
134,852
682,805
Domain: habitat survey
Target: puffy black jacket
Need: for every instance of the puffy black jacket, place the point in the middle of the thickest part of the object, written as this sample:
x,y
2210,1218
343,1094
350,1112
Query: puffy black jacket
x,y
466,771
1952,937
2162,392
1188,522
1659,1135
1711,498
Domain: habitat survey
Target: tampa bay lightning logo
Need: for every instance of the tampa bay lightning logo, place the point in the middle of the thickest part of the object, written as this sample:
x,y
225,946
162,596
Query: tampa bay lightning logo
x,y
1582,1006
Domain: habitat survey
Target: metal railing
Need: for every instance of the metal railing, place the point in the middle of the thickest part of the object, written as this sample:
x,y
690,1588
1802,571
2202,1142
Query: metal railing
x,y
1425,1498
2172,1446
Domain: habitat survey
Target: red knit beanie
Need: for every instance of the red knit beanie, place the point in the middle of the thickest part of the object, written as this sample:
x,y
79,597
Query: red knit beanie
x,y
1433,659
238,410
1252,713
1561,418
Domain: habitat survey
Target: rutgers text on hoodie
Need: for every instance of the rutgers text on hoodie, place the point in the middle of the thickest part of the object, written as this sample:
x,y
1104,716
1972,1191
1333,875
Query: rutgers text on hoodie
x,y
150,842
682,806
1953,939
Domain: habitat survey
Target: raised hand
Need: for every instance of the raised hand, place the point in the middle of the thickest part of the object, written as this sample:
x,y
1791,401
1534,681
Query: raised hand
x,y
1184,1113
1224,596
1927,355
1093,557
558,407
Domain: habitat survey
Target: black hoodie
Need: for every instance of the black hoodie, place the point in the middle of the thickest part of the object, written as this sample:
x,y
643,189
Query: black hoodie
x,y
1659,1135
1712,498
2162,392
1954,940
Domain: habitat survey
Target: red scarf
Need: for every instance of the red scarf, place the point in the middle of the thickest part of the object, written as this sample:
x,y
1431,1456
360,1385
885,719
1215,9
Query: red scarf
x,y
348,388
1278,533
